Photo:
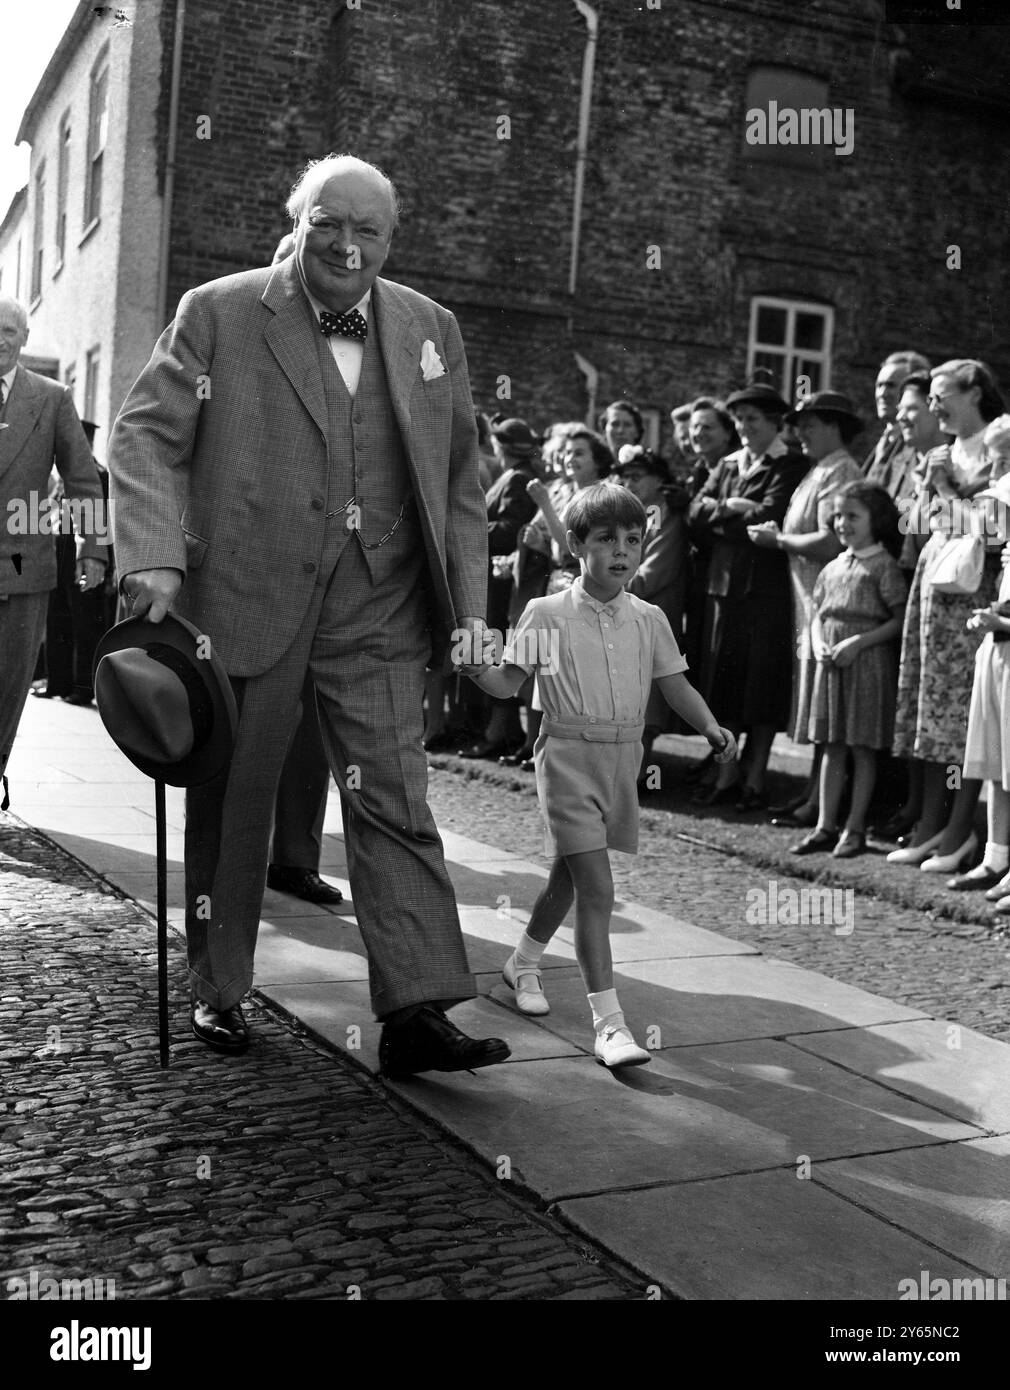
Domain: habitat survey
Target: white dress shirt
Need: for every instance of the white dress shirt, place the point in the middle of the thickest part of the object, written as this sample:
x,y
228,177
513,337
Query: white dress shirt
x,y
8,381
348,353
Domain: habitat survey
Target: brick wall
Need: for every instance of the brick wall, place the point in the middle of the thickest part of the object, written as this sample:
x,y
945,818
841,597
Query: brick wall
x,y
420,89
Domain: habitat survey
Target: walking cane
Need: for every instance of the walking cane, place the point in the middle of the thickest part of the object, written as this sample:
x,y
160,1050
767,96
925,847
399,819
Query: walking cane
x,y
165,698
162,854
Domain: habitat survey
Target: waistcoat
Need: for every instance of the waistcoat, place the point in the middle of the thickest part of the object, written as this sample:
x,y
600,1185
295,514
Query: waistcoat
x,y
367,463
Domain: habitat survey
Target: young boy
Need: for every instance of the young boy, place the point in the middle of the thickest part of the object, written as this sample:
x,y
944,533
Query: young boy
x,y
596,651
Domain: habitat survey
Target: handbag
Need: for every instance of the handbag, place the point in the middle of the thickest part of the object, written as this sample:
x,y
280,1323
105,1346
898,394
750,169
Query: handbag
x,y
959,568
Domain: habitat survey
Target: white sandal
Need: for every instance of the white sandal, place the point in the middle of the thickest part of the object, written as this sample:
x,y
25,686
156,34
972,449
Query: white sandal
x,y
528,985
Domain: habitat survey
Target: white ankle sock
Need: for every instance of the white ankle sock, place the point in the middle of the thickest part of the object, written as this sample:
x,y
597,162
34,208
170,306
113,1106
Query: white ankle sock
x,y
606,1009
528,951
996,857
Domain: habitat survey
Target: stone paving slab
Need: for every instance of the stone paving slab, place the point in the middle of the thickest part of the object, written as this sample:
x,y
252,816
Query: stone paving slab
x,y
959,1193
713,999
960,1072
340,1012
308,950
124,851
760,1236
572,1127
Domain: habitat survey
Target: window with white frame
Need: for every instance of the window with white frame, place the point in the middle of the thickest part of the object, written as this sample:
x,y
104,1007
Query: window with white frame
x,y
62,174
38,231
91,364
98,132
790,339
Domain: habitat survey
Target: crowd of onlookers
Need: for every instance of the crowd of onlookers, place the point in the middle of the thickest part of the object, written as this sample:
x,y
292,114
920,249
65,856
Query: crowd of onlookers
x,y
856,603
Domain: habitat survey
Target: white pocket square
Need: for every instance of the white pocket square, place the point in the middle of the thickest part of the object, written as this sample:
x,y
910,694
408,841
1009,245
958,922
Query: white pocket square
x,y
432,365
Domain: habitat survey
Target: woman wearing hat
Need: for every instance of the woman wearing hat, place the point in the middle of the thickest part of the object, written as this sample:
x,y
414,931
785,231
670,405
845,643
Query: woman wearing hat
x,y
509,508
661,577
825,423
747,630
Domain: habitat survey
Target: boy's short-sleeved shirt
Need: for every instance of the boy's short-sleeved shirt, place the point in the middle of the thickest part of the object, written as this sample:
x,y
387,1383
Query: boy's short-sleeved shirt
x,y
592,658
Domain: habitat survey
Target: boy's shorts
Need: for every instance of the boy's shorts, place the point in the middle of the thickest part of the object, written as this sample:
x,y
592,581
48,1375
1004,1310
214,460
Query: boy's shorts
x,y
588,794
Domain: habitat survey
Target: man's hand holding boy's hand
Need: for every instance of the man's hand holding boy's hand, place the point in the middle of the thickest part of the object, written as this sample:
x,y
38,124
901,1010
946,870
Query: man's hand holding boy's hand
x,y
723,745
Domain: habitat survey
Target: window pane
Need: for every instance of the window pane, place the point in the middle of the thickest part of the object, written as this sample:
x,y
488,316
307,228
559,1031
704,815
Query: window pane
x,y
769,367
810,331
771,325
805,367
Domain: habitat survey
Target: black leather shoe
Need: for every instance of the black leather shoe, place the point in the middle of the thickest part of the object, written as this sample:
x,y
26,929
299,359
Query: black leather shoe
x,y
717,796
303,883
429,1042
223,1029
980,877
792,820
751,800
525,754
817,842
79,697
486,749
444,742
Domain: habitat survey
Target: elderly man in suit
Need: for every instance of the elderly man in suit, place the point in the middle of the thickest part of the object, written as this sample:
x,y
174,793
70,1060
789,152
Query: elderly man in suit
x,y
39,427
295,470
891,460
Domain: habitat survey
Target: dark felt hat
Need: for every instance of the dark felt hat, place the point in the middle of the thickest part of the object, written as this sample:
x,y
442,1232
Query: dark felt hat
x,y
766,398
166,699
515,434
631,456
826,403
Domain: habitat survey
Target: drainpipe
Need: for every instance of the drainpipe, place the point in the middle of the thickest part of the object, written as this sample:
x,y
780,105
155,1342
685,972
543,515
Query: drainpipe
x,y
592,381
166,201
585,101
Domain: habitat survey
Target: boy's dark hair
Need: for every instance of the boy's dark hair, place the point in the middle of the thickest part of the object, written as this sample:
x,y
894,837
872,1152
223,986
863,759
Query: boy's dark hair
x,y
602,457
604,504
883,512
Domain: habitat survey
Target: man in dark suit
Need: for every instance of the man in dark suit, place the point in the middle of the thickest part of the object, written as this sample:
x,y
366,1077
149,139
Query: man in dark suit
x,y
301,450
39,427
890,460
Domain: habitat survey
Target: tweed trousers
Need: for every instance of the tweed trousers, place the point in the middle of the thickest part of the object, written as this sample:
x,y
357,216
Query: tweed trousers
x,y
366,647
22,628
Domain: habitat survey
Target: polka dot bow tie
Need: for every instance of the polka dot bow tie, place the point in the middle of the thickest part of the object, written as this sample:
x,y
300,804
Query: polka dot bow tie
x,y
352,325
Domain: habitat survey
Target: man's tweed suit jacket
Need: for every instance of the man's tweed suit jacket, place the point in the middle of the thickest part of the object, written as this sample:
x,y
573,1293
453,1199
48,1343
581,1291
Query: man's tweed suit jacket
x,y
220,449
42,428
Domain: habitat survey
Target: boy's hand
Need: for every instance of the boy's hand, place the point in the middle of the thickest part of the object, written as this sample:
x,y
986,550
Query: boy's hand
x,y
723,745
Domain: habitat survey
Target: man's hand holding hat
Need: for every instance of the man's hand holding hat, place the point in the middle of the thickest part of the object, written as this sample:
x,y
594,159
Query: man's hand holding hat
x,y
152,592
